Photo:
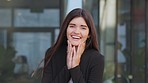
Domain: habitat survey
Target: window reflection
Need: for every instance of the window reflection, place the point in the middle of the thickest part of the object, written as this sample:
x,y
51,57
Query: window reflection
x,y
26,18
133,41
30,48
5,17
93,7
3,38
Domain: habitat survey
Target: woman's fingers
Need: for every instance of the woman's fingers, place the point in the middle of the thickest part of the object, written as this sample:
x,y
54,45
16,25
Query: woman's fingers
x,y
77,54
80,49
74,54
69,55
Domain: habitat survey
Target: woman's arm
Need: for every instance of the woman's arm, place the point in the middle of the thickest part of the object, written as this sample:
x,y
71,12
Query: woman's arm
x,y
62,77
49,75
95,73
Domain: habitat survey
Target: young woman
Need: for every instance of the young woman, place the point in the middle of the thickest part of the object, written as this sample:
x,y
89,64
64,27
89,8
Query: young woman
x,y
75,57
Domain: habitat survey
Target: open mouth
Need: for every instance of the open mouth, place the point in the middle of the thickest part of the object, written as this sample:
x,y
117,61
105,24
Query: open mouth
x,y
76,37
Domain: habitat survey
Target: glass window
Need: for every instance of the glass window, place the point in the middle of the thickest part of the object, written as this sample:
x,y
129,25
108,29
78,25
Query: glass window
x,y
131,44
5,17
123,46
3,38
26,18
32,46
93,7
138,41
106,30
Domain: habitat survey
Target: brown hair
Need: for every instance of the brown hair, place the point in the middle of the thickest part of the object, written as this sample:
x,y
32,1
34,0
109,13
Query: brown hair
x,y
91,42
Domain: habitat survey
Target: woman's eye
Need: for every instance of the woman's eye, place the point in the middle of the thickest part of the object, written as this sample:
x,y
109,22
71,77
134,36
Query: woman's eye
x,y
83,28
71,26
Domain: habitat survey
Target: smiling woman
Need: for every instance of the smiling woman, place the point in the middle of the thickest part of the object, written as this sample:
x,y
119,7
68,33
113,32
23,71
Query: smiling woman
x,y
77,31
75,57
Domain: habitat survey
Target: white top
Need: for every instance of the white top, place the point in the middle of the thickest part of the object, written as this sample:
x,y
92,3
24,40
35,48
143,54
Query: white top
x,y
70,81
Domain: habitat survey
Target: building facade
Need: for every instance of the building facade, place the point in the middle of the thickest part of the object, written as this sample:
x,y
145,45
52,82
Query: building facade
x,y
29,27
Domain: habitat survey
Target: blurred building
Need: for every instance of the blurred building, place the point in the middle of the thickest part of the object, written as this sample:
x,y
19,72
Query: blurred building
x,y
32,26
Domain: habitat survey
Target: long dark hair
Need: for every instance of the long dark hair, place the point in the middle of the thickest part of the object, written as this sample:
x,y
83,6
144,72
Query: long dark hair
x,y
91,42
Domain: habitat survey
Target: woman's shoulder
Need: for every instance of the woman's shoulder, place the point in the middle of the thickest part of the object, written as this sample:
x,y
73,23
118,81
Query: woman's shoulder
x,y
48,50
58,51
94,55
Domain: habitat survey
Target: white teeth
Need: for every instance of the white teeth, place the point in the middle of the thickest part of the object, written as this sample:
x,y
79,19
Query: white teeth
x,y
76,37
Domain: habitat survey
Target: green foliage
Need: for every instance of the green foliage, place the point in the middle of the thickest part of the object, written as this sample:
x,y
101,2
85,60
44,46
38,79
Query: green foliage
x,y
6,64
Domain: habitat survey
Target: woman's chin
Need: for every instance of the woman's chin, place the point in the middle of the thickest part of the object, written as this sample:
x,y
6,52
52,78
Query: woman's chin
x,y
75,44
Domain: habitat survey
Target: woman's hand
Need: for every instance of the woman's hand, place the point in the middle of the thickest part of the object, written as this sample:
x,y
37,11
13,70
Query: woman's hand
x,y
69,55
74,54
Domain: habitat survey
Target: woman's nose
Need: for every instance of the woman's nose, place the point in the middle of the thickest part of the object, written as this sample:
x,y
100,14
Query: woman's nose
x,y
77,30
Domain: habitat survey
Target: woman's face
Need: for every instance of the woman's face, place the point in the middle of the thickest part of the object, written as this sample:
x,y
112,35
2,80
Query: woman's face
x,y
77,31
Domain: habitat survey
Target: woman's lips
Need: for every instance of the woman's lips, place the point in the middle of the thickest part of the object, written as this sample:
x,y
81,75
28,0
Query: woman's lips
x,y
75,37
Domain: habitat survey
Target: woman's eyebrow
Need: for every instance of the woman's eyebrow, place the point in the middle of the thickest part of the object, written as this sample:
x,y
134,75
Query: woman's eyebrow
x,y
84,25
72,24
80,25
